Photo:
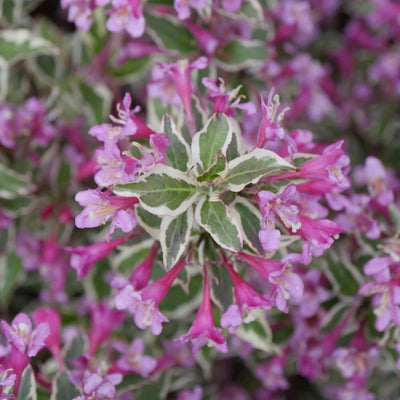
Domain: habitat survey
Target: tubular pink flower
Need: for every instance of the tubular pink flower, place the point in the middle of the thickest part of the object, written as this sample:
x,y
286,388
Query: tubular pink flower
x,y
103,321
83,258
282,205
318,233
246,297
52,318
226,102
203,330
143,304
285,282
101,206
180,73
142,273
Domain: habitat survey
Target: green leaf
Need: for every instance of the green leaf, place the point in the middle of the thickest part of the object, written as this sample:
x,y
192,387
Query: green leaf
x,y
150,222
240,54
216,170
334,316
18,206
13,184
63,389
221,287
10,270
218,221
174,237
19,44
257,332
98,98
73,349
130,70
164,191
251,167
169,33
344,276
27,387
249,218
178,151
215,137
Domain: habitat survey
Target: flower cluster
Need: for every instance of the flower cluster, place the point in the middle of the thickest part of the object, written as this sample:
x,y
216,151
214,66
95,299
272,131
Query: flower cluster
x,y
179,216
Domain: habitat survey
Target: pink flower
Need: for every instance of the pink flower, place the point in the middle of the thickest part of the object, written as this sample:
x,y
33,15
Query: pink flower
x,y
143,304
81,11
52,318
384,289
374,175
133,359
142,273
101,206
281,205
226,102
25,342
203,330
182,7
103,321
180,73
246,297
99,387
330,167
285,283
318,233
232,6
20,335
195,394
128,15
272,375
83,258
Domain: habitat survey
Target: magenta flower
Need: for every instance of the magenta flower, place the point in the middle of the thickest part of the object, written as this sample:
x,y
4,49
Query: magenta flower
x,y
226,102
180,73
354,363
270,129
318,233
331,166
182,7
114,167
374,175
101,206
103,321
203,330
83,258
142,273
195,394
285,283
25,342
81,11
283,206
99,387
385,291
205,39
51,317
143,304
133,359
247,298
126,124
232,6
126,15
33,115
271,374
